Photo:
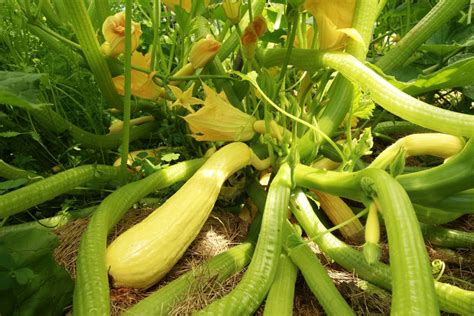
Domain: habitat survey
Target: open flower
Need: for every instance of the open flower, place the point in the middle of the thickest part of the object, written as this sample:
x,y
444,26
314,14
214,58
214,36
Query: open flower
x,y
185,99
218,120
334,20
113,30
142,83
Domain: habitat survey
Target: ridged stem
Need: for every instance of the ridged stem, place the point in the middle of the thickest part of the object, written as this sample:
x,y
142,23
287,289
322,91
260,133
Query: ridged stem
x,y
86,36
128,92
451,298
247,296
441,13
280,297
44,190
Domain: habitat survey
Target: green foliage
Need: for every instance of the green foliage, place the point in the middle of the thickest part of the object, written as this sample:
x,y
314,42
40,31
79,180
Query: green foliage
x,y
31,282
21,89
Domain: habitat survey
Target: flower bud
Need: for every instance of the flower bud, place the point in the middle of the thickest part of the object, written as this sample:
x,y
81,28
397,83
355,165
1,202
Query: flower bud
x,y
113,30
203,51
232,10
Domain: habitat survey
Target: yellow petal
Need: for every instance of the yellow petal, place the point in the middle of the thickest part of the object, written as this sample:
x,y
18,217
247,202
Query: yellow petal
x,y
113,30
331,16
217,120
203,51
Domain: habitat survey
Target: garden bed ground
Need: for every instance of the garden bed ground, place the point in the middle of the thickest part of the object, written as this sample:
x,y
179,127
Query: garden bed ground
x,y
223,230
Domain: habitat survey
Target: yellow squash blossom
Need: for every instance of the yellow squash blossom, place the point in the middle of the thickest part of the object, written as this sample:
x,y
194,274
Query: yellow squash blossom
x,y
218,120
334,20
201,53
113,30
232,10
185,99
142,83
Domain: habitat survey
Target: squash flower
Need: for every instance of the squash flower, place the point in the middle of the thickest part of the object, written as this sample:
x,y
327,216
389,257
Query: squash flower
x,y
249,38
232,10
142,83
201,53
334,20
113,30
218,120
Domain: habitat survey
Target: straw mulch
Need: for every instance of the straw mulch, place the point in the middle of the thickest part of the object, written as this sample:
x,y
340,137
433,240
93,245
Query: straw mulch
x,y
223,230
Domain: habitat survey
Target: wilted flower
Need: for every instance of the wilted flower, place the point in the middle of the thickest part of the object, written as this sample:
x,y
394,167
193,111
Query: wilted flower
x,y
334,20
113,30
203,51
142,83
218,120
232,10
250,36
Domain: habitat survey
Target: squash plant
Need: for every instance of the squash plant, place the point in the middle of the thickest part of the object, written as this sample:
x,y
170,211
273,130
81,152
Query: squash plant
x,y
306,90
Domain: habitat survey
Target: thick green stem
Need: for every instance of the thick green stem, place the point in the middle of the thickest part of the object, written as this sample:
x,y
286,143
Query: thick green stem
x,y
382,92
340,93
22,199
451,298
128,92
86,36
441,13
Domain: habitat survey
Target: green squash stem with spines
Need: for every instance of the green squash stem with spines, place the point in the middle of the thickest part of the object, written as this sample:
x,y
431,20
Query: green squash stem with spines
x,y
247,296
451,298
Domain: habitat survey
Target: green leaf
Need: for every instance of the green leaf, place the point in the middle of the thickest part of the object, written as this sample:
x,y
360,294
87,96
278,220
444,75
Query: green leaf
x,y
170,157
21,89
457,74
32,283
9,134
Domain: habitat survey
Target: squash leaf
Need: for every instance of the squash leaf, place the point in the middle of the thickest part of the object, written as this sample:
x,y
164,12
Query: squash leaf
x,y
31,282
21,89
457,74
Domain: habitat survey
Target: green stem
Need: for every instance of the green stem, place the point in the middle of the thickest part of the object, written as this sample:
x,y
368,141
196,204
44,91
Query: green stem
x,y
85,33
102,9
451,298
441,13
252,289
128,91
44,190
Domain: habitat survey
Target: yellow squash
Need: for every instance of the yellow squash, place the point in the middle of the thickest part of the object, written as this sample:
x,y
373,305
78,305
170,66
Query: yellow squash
x,y
142,255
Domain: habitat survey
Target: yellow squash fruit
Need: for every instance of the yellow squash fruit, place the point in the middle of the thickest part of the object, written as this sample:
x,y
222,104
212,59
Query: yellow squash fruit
x,y
143,255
